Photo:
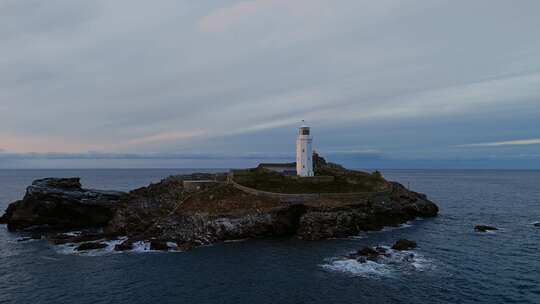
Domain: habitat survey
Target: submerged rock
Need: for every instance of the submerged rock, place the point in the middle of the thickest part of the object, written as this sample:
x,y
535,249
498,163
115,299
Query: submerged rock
x,y
484,228
124,246
159,245
368,253
90,246
404,244
61,203
536,224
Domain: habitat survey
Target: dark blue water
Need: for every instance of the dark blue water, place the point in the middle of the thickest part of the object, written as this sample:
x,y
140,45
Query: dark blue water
x,y
455,264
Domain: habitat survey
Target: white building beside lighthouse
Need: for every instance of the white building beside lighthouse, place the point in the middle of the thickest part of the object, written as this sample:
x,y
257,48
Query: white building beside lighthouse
x,y
304,152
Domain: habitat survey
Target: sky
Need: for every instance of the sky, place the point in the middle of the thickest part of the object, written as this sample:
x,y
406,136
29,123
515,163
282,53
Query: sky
x,y
172,83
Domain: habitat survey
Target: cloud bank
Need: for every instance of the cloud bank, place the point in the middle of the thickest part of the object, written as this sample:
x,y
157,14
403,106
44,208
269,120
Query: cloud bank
x,y
413,79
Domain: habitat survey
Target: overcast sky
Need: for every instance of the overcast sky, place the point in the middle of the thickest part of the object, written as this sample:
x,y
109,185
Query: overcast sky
x,y
386,83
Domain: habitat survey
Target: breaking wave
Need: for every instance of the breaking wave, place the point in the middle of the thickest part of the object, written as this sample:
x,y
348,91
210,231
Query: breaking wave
x,y
395,263
138,247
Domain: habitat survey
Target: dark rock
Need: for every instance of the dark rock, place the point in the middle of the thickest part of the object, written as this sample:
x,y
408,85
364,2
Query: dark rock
x,y
365,254
404,244
61,238
159,245
185,246
124,246
484,228
61,203
90,246
381,250
361,259
536,224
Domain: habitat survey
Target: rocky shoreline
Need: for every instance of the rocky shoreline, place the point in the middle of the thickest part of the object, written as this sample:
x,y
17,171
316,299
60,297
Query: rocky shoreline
x,y
167,216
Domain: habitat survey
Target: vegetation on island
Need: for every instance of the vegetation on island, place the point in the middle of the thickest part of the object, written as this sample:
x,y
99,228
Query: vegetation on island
x,y
329,178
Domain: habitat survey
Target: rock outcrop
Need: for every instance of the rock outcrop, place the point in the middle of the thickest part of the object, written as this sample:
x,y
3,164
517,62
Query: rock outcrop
x,y
368,254
164,213
90,246
61,203
404,244
484,228
346,217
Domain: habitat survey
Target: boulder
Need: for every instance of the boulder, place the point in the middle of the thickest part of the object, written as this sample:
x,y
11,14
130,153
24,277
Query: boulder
x,y
90,246
185,246
367,253
61,203
484,228
124,246
404,244
159,245
536,224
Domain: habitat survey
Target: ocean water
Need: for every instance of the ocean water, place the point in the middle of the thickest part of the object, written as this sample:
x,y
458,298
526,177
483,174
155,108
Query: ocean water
x,y
453,264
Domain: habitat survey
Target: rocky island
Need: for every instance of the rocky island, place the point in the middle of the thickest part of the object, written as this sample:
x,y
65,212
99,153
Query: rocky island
x,y
185,211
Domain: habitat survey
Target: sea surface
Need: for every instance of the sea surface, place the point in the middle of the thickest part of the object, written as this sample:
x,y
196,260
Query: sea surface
x,y
453,264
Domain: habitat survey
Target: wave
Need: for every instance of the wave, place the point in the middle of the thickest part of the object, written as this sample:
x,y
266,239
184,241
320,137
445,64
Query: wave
x,y
395,263
71,248
401,226
364,234
356,268
138,247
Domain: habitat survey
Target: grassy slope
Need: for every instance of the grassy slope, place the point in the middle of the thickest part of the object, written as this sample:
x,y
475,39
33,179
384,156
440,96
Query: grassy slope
x,y
346,181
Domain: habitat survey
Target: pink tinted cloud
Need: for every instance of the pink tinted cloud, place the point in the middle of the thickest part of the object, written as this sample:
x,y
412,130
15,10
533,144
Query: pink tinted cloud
x,y
25,144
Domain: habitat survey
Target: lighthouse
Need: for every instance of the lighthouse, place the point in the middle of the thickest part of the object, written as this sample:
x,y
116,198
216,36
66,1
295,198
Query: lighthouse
x,y
304,152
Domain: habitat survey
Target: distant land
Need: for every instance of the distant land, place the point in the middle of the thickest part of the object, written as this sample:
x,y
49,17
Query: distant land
x,y
167,161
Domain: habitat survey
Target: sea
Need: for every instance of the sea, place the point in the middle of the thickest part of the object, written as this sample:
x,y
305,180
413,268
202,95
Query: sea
x,y
452,263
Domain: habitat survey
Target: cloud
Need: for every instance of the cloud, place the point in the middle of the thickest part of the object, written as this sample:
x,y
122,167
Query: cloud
x,y
163,137
142,156
519,142
135,77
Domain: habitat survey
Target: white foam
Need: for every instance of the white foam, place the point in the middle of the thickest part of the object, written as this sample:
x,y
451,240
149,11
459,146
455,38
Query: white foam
x,y
172,246
66,249
70,248
23,240
49,258
391,264
401,226
141,246
73,233
360,236
138,247
355,268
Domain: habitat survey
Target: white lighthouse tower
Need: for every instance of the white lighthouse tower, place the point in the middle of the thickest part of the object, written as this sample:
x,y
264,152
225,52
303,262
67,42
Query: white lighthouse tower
x,y
304,152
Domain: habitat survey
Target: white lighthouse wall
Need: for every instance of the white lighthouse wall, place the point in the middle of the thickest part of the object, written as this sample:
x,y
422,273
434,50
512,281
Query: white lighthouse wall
x,y
304,154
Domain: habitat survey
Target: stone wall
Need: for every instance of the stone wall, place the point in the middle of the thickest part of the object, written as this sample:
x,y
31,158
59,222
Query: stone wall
x,y
294,197
319,179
